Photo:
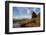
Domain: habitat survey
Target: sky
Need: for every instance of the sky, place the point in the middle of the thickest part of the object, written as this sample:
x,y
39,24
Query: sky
x,y
24,12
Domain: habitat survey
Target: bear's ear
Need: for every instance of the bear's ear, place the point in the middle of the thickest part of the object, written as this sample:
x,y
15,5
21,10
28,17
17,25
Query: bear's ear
x,y
34,15
39,14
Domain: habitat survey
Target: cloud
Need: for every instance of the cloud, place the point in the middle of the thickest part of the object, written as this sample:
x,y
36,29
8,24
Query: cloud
x,y
22,17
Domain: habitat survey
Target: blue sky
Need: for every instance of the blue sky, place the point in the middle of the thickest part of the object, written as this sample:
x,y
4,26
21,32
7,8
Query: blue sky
x,y
26,12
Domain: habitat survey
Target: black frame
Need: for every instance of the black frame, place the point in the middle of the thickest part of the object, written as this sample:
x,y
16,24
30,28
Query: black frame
x,y
7,16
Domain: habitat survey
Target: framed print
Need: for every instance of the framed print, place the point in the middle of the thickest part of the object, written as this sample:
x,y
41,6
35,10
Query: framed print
x,y
24,17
